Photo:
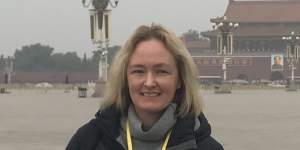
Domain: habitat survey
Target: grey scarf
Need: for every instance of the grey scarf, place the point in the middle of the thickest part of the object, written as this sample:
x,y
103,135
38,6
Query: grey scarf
x,y
153,138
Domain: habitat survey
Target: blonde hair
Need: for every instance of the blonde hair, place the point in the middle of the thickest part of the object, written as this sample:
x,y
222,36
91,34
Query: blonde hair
x,y
117,92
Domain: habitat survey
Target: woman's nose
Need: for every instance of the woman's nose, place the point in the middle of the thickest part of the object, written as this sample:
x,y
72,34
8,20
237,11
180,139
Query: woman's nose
x,y
150,80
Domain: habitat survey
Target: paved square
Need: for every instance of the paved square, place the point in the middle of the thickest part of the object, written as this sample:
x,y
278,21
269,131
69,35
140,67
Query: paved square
x,y
244,120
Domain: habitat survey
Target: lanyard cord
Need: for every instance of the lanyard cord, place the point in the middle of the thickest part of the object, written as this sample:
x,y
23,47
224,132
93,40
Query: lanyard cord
x,y
129,141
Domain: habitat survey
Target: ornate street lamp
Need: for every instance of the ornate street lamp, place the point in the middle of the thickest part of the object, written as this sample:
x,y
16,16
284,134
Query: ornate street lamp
x,y
100,24
224,41
292,54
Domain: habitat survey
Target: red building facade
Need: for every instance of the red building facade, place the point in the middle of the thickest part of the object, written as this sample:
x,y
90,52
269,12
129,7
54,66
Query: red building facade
x,y
257,41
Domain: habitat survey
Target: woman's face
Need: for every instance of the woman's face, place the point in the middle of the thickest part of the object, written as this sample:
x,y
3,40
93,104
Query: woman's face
x,y
152,77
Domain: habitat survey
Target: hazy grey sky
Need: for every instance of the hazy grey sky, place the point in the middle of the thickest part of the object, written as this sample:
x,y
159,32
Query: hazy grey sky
x,y
64,24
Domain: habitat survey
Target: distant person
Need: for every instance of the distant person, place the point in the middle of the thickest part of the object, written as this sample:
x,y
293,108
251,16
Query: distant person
x,y
277,65
152,100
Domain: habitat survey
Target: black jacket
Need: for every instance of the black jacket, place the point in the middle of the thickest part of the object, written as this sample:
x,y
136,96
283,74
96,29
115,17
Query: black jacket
x,y
101,134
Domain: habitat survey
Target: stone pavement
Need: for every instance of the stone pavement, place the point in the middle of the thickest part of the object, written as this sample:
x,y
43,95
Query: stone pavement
x,y
244,120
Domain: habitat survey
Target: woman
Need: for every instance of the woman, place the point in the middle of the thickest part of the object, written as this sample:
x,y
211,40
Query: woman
x,y
152,100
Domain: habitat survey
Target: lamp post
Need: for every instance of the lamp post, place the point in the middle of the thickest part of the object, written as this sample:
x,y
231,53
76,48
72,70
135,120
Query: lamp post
x,y
8,68
224,43
100,27
292,54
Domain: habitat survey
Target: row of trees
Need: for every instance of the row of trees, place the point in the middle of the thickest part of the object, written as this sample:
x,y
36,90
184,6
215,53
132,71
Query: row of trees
x,y
38,57
191,35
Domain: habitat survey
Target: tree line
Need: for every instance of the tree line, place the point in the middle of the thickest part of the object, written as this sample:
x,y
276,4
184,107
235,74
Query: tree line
x,y
40,58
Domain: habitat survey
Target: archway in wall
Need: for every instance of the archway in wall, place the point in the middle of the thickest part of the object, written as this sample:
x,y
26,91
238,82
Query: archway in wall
x,y
277,76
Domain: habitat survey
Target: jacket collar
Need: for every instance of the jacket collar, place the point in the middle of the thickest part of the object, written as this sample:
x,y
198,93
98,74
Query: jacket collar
x,y
184,133
204,130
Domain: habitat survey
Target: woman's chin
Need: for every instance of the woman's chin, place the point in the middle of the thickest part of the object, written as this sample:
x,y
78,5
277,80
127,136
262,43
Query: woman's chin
x,y
151,109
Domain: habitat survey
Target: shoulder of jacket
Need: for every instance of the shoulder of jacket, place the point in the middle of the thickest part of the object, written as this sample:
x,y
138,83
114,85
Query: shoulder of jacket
x,y
86,136
209,143
90,130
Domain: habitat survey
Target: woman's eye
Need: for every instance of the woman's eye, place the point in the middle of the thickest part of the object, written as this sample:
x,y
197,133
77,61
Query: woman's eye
x,y
162,71
138,71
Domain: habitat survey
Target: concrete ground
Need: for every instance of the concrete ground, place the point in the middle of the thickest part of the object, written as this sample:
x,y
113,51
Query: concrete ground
x,y
243,120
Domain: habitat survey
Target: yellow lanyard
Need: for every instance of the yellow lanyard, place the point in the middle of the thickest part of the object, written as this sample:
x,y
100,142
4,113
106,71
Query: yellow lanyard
x,y
129,141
